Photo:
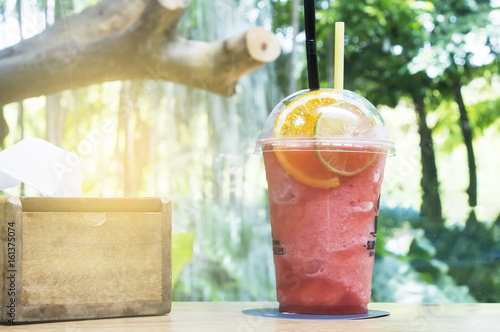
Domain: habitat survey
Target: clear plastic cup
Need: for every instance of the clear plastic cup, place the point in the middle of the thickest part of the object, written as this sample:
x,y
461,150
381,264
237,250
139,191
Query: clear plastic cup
x,y
324,182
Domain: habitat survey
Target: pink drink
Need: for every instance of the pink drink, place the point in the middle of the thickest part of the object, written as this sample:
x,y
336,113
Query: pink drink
x,y
324,153
324,240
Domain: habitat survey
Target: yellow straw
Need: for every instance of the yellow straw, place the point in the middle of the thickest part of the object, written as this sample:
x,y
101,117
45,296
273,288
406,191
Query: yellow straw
x,y
338,78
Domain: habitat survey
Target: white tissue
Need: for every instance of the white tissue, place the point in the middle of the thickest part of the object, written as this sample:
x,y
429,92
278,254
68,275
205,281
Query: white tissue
x,y
49,169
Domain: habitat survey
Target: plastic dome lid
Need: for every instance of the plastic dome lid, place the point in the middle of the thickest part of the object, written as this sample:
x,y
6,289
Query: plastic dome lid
x,y
332,119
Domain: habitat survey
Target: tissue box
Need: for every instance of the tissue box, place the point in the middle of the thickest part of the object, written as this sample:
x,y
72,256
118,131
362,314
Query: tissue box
x,y
82,258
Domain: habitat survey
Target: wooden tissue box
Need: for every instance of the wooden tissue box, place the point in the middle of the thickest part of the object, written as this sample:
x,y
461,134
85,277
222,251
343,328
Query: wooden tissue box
x,y
83,258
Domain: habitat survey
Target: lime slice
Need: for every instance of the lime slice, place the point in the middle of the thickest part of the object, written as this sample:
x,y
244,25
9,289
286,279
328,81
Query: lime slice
x,y
344,120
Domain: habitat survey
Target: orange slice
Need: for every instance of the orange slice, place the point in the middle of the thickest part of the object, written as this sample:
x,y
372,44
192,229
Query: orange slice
x,y
298,119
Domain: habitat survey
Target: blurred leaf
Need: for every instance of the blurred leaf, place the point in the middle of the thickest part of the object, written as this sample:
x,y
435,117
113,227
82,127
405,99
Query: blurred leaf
x,y
395,280
485,114
182,251
422,248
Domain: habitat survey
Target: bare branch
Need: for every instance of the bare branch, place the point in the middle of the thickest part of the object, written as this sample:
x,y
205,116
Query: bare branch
x,y
105,18
133,40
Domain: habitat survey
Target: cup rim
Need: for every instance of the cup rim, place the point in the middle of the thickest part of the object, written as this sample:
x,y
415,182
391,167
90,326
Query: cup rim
x,y
325,144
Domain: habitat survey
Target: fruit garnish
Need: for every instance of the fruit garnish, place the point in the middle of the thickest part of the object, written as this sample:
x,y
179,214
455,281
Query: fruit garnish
x,y
298,120
347,121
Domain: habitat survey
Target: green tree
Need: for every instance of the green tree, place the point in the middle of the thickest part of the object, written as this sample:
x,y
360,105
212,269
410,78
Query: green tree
x,y
459,49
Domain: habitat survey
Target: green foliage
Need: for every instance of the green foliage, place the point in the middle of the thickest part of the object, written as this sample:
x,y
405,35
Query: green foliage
x,y
229,263
482,115
458,47
472,254
395,280
450,264
485,114
379,44
182,251
413,273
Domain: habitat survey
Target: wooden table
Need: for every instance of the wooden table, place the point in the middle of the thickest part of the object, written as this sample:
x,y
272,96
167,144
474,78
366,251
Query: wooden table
x,y
227,316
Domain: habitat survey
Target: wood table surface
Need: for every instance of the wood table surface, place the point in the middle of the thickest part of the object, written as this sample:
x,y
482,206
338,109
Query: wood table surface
x,y
228,316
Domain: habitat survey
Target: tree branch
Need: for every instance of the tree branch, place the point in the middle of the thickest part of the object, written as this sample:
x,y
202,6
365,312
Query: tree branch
x,y
121,44
105,18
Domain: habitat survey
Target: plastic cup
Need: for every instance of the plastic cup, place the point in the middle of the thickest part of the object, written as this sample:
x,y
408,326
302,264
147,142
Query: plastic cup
x,y
324,237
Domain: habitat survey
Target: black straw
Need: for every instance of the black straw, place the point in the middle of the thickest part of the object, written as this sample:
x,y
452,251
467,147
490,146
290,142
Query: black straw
x,y
312,60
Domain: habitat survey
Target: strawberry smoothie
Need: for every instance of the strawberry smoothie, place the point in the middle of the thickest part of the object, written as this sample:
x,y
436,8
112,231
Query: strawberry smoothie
x,y
324,152
324,239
